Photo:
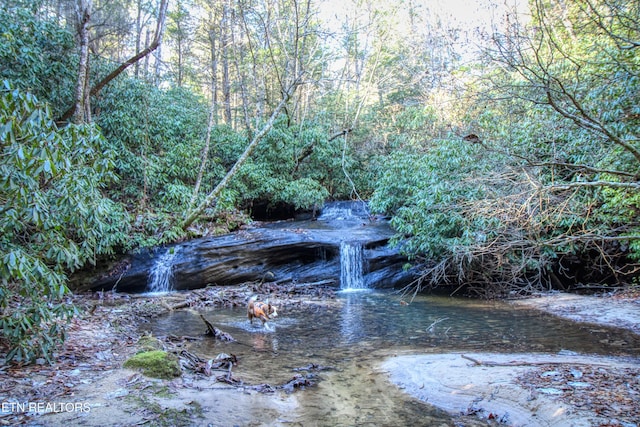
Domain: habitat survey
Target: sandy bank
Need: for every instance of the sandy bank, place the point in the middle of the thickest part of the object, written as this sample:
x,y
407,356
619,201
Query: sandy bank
x,y
492,389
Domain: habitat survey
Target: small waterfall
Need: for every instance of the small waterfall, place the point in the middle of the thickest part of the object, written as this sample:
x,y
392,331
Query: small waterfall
x,y
351,262
161,275
344,212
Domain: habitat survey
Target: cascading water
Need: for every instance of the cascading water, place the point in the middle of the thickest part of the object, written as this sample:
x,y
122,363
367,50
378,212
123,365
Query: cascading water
x,y
161,275
351,262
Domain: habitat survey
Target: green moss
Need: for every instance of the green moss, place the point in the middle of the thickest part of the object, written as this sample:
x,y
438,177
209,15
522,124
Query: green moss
x,y
156,364
149,343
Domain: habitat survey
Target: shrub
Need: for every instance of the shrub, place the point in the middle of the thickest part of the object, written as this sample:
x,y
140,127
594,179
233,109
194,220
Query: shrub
x,y
53,217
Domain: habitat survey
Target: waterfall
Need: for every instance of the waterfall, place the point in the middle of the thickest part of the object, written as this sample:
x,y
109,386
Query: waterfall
x,y
351,262
161,274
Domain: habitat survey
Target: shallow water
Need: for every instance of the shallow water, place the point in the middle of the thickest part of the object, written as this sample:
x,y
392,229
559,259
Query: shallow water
x,y
351,334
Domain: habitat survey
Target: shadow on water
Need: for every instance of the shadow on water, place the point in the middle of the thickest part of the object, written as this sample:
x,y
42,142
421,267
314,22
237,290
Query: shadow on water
x,y
362,327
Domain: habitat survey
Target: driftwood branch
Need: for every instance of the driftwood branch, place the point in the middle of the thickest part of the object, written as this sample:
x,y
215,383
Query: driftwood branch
x,y
215,332
477,362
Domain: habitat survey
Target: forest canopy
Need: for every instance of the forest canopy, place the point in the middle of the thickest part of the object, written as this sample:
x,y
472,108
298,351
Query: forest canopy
x,y
504,149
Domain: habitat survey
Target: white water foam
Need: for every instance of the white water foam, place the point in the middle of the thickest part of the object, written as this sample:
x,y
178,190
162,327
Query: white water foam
x,y
351,266
161,275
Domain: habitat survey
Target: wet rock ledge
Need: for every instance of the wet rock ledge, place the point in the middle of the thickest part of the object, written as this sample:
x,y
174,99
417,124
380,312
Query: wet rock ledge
x,y
298,252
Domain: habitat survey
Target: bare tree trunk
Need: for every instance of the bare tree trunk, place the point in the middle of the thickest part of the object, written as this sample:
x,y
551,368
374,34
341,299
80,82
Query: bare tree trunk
x,y
157,65
214,76
258,80
138,35
238,53
180,43
115,73
146,58
226,81
215,193
87,96
83,12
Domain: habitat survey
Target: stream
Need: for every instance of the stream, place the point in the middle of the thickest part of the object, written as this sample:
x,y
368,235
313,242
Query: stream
x,y
351,334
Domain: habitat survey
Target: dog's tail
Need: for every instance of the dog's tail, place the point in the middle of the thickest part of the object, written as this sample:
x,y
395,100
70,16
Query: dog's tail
x,y
252,301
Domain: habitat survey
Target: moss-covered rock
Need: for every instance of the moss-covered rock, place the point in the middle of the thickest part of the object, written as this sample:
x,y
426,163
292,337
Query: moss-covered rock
x,y
156,364
149,343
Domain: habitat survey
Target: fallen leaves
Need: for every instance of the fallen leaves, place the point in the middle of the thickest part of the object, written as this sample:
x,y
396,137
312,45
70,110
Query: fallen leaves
x,y
609,392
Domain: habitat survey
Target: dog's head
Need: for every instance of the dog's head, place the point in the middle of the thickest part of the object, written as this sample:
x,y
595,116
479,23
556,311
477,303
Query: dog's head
x,y
270,310
273,311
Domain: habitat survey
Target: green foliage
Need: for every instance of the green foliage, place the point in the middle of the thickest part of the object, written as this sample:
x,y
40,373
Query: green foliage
x,y
157,137
290,166
304,193
427,194
54,219
37,55
159,148
400,127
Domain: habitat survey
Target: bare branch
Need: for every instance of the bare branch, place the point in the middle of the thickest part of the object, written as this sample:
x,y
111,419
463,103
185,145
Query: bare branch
x,y
609,184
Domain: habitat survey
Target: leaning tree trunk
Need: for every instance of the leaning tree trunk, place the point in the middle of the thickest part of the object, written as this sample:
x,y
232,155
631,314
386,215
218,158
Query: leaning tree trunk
x,y
215,193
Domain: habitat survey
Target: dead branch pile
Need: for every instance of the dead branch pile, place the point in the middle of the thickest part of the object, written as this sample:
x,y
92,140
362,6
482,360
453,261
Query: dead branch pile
x,y
532,239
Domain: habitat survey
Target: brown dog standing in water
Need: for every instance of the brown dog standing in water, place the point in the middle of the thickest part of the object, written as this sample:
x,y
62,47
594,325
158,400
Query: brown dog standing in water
x,y
260,310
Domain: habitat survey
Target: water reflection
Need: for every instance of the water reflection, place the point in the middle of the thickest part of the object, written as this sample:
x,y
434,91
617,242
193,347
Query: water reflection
x,y
360,328
376,319
352,323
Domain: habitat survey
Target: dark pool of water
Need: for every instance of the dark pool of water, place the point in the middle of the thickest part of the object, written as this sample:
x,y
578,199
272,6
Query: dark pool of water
x,y
358,329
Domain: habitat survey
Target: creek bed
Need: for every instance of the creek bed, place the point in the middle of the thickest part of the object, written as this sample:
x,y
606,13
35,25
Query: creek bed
x,y
352,334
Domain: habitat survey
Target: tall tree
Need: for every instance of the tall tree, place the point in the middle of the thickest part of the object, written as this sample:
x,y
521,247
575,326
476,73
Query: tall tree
x,y
138,56
180,35
81,110
225,27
